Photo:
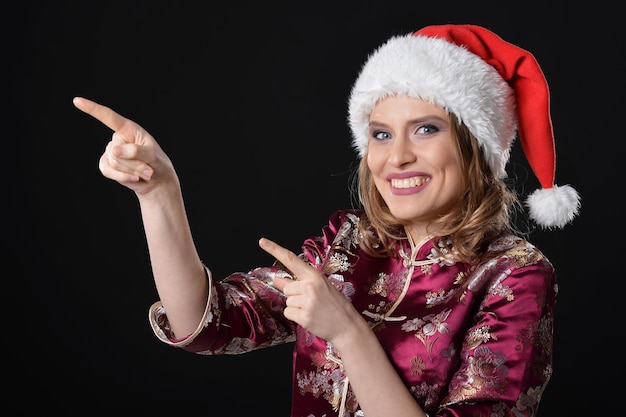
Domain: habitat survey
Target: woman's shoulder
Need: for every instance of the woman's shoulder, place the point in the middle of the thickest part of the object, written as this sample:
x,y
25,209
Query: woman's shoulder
x,y
516,251
341,228
341,220
341,216
516,270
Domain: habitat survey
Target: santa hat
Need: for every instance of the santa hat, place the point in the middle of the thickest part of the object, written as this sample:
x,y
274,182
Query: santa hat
x,y
495,88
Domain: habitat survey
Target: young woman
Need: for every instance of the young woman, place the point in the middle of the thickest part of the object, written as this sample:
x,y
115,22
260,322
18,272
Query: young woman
x,y
426,300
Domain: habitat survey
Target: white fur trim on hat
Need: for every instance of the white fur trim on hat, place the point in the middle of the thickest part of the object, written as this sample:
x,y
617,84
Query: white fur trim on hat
x,y
446,75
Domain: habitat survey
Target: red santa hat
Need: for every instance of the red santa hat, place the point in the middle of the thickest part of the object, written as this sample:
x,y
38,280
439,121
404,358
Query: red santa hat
x,y
495,88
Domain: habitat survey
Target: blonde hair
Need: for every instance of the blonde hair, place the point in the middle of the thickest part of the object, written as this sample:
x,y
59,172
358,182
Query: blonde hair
x,y
484,209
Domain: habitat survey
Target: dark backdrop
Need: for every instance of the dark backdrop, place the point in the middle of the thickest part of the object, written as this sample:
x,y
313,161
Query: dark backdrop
x,y
249,100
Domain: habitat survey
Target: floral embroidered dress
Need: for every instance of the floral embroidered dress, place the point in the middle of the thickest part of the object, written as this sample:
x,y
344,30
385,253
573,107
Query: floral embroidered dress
x,y
467,341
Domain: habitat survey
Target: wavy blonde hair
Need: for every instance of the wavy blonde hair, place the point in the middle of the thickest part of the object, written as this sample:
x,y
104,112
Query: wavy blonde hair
x,y
485,209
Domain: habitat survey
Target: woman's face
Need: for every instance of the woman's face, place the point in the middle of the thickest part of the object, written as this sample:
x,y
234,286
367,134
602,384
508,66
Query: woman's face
x,y
413,158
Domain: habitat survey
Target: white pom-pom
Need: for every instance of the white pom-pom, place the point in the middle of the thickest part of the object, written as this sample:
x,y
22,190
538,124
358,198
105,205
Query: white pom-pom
x,y
553,207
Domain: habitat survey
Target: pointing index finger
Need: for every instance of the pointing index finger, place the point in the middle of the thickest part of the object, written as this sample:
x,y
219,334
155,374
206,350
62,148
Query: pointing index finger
x,y
289,259
106,115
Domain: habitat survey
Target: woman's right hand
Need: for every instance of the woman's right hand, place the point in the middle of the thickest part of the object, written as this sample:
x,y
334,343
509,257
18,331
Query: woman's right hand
x,y
133,158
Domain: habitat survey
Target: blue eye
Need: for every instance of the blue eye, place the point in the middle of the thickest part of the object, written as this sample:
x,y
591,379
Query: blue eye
x,y
427,130
381,135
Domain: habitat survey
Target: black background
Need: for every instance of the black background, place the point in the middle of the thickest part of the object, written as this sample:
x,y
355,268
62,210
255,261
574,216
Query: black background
x,y
249,100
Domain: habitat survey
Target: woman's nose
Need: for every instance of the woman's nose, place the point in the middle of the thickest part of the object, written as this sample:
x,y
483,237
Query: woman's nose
x,y
401,152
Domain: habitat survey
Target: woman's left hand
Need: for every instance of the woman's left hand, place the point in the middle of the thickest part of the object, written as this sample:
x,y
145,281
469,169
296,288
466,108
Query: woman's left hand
x,y
312,300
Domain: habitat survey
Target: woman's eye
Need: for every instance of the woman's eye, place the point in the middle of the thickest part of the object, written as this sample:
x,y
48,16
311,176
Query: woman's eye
x,y
381,135
427,129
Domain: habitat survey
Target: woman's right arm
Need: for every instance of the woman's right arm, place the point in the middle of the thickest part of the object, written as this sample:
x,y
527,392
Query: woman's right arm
x,y
134,159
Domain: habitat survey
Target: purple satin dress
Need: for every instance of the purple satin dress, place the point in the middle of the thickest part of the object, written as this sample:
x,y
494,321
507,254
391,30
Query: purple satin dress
x,y
467,341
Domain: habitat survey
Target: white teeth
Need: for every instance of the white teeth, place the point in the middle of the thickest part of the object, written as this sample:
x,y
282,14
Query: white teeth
x,y
409,182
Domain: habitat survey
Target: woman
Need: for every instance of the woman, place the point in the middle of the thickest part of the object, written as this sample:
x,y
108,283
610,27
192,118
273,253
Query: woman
x,y
424,301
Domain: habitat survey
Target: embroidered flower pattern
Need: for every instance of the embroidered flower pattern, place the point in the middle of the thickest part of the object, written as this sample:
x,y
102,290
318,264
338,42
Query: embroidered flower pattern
x,y
417,365
449,352
428,328
483,371
430,393
388,285
478,336
528,400
337,262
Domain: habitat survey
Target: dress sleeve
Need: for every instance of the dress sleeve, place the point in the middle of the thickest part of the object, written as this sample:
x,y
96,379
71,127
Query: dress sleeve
x,y
244,311
506,357
160,325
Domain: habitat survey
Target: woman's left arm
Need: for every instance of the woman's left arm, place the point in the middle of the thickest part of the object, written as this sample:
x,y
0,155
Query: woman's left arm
x,y
506,356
